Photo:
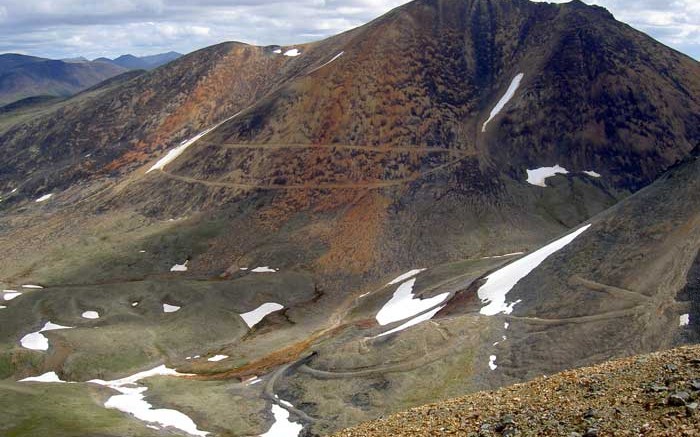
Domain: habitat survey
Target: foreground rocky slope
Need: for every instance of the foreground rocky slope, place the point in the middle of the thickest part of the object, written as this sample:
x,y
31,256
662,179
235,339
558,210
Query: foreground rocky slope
x,y
650,395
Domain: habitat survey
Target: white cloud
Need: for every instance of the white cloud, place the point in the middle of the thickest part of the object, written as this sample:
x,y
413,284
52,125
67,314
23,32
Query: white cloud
x,y
66,28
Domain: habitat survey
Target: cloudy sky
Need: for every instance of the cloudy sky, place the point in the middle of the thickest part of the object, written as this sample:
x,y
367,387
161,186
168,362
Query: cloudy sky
x,y
93,28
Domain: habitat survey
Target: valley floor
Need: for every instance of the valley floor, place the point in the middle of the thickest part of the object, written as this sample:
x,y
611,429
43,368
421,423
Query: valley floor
x,y
648,395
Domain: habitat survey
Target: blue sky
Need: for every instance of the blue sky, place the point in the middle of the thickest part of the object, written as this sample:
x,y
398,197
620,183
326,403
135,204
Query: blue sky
x,y
68,28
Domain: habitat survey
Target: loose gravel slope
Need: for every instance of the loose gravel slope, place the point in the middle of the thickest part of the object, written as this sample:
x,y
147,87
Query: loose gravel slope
x,y
649,395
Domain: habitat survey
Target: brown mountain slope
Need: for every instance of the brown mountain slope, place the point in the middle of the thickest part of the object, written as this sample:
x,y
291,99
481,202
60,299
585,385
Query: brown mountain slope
x,y
595,93
425,75
129,123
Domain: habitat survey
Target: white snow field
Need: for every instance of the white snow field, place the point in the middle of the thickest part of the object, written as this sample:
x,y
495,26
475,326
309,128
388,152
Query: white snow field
x,y
499,283
408,274
167,308
44,198
510,92
403,305
38,341
131,401
252,318
538,176
492,362
216,358
326,63
503,256
177,151
10,294
282,427
179,267
90,315
414,321
46,377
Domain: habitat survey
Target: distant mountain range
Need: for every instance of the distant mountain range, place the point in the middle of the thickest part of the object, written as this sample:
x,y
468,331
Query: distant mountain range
x,y
29,76
132,62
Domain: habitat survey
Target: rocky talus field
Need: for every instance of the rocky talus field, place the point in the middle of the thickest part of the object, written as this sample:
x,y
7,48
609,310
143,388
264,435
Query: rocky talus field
x,y
647,395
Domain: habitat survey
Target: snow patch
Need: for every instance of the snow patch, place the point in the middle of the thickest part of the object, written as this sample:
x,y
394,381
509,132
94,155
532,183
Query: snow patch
x,y
292,52
38,341
177,151
684,320
252,380
167,308
510,92
10,294
414,321
503,256
498,284
36,287
216,358
401,278
492,362
263,269
131,401
252,318
282,427
2,307
278,51
538,175
46,377
179,267
44,198
332,59
592,173
91,315
402,305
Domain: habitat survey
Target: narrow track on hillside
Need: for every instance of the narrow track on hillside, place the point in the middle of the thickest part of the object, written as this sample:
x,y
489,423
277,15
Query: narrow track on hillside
x,y
405,366
314,186
579,319
332,146
617,292
269,390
